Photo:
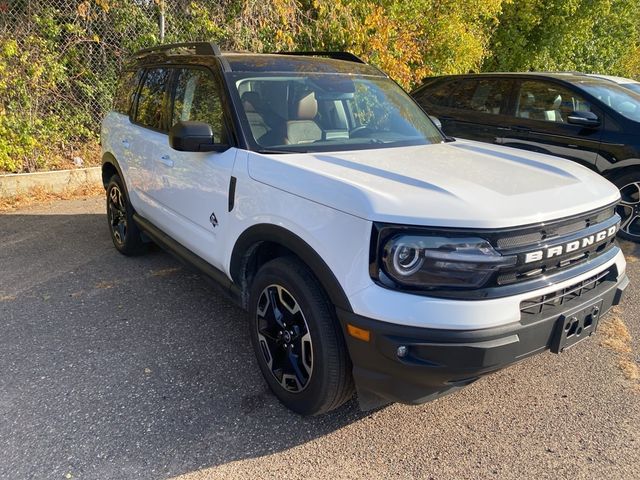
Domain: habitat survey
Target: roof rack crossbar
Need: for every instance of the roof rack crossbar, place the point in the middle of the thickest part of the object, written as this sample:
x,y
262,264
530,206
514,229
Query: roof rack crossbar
x,y
201,48
346,56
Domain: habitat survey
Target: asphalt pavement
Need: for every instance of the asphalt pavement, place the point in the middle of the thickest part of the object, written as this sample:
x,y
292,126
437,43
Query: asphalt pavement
x,y
136,368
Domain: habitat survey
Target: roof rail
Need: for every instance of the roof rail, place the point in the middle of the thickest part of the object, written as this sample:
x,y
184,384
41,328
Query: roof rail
x,y
346,56
201,48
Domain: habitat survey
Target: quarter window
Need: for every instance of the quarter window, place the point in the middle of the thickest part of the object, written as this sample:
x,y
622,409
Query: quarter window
x,y
438,94
126,90
548,102
197,98
151,99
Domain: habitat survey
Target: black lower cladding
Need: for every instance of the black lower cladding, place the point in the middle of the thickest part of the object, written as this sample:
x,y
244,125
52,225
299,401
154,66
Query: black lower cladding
x,y
436,362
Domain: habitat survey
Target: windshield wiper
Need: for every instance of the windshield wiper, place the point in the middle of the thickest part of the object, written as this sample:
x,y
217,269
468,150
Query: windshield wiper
x,y
275,151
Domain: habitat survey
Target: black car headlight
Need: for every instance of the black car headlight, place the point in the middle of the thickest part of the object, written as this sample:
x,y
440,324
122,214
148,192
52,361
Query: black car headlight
x,y
423,261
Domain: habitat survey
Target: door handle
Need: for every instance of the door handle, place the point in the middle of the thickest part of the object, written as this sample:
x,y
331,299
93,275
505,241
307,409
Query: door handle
x,y
166,160
521,129
125,143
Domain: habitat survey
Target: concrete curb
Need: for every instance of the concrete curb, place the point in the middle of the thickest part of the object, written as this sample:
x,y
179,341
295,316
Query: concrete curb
x,y
55,181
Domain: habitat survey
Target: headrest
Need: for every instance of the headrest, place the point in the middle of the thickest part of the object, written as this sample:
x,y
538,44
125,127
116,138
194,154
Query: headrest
x,y
529,99
306,108
250,101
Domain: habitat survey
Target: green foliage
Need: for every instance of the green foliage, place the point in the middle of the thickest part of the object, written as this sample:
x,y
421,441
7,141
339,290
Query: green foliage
x,y
59,61
593,36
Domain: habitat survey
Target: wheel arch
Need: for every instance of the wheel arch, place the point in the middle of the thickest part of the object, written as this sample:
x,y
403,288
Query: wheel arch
x,y
618,171
110,167
263,242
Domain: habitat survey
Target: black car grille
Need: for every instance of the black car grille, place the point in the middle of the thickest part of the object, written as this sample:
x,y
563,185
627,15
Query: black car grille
x,y
547,304
539,234
555,234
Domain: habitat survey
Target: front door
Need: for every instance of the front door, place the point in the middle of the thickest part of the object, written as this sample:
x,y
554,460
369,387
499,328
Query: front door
x,y
540,122
194,200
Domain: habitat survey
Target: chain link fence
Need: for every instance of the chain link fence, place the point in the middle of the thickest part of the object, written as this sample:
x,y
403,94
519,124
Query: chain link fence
x,y
59,63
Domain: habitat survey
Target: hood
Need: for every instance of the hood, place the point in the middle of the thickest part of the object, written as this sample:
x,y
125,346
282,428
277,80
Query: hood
x,y
457,184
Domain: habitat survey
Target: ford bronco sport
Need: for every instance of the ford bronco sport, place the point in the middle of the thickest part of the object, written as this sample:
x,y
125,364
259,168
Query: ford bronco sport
x,y
371,252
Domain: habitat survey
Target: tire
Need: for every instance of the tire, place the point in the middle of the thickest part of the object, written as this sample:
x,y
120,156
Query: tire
x,y
125,234
305,363
629,206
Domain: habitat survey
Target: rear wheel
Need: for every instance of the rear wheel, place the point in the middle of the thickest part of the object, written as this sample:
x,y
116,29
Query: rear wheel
x,y
297,339
125,234
629,206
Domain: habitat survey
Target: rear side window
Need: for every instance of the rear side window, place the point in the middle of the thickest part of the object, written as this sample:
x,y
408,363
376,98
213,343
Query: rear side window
x,y
481,95
197,98
435,94
151,100
126,90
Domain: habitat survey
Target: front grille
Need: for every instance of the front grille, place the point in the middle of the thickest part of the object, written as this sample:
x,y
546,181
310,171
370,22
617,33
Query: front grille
x,y
551,243
547,303
551,230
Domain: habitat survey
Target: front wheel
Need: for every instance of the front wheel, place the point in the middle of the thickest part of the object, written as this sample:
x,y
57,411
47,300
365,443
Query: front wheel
x,y
297,339
629,206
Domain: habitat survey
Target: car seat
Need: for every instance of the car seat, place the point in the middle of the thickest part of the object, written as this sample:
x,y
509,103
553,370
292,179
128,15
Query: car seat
x,y
302,128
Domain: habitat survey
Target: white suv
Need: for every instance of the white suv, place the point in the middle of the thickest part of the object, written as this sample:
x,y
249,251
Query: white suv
x,y
371,252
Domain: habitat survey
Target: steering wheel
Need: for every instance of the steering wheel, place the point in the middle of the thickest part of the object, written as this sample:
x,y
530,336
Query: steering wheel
x,y
360,131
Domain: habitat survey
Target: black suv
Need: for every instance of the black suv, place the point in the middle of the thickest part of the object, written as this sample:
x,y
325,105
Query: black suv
x,y
589,120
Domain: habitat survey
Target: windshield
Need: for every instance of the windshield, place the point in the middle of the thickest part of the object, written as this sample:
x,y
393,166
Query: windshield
x,y
285,113
624,101
632,86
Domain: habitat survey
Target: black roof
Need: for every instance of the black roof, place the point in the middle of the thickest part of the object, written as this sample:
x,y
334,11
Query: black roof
x,y
267,62
572,77
282,62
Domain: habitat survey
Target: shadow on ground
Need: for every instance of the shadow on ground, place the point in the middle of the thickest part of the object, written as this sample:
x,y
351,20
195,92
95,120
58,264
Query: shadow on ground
x,y
115,367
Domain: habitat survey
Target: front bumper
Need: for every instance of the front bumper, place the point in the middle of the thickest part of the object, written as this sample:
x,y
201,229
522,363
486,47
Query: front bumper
x,y
440,361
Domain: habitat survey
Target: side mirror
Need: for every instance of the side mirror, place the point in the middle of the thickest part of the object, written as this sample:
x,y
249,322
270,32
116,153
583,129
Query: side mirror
x,y
586,119
436,121
194,137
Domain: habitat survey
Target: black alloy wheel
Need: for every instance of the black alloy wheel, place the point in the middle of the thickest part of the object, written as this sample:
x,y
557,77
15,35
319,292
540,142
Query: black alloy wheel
x,y
297,338
117,213
125,234
629,206
284,338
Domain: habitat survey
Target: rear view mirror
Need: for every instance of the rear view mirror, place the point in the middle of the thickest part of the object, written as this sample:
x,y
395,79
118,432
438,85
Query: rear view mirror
x,y
586,119
194,137
436,121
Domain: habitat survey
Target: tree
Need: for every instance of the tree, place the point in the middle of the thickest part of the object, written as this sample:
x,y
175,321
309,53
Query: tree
x,y
408,40
593,36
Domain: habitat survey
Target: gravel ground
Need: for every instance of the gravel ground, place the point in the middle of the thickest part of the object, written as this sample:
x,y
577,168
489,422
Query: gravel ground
x,y
127,368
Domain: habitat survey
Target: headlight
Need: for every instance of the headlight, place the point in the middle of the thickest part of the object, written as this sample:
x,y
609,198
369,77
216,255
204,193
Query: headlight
x,y
436,261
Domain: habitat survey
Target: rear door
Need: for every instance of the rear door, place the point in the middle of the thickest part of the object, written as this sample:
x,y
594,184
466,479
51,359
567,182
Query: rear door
x,y
539,122
117,126
434,98
148,134
479,108
473,108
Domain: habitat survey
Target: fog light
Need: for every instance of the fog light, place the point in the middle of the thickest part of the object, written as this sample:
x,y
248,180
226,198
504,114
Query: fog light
x,y
402,351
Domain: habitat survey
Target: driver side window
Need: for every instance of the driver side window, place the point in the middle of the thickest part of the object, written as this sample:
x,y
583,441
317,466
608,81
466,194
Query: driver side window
x,y
196,98
548,102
